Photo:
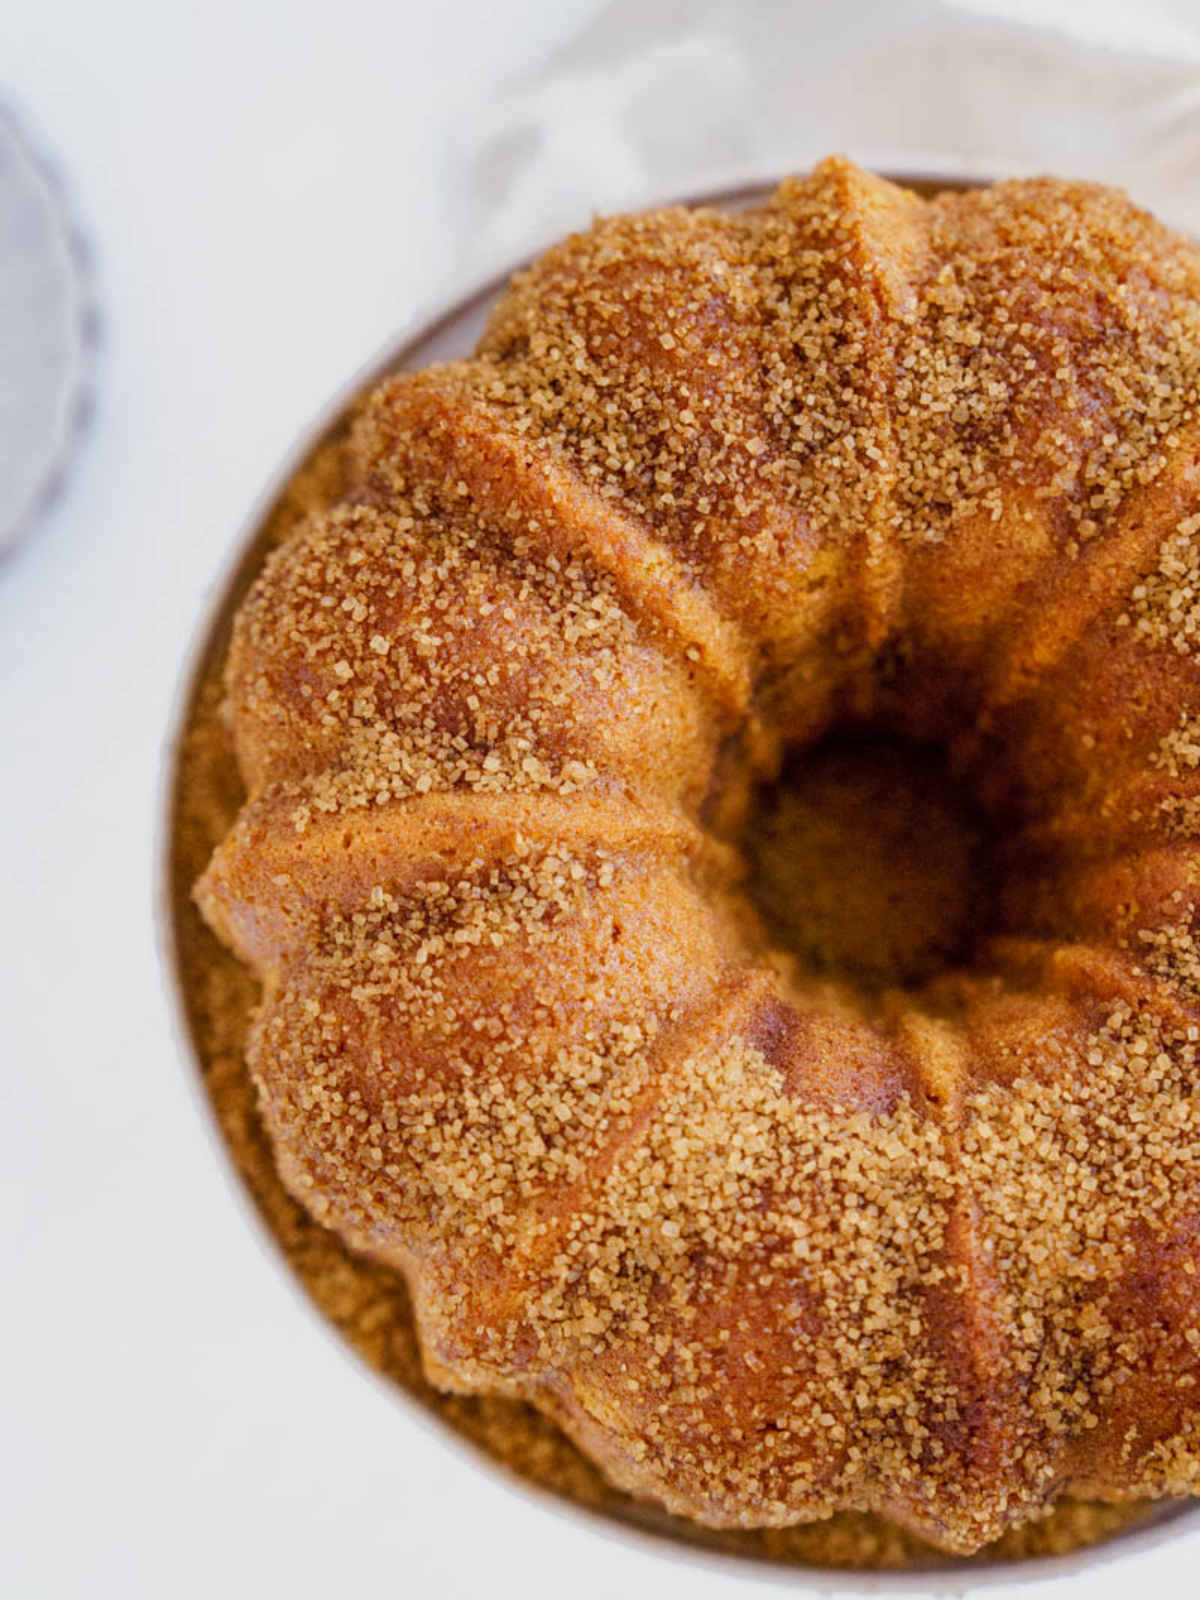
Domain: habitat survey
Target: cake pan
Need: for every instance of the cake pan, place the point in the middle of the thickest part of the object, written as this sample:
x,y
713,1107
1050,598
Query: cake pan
x,y
446,331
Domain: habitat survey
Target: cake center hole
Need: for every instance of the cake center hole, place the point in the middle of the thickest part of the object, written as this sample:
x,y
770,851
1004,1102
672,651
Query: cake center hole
x,y
870,864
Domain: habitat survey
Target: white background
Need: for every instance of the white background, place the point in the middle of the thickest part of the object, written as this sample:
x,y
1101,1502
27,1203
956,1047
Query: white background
x,y
262,188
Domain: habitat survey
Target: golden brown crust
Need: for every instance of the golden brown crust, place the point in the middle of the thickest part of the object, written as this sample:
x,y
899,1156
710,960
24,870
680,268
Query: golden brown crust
x,y
712,477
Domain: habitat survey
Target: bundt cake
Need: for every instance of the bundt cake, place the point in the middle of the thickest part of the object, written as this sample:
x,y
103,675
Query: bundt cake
x,y
766,1241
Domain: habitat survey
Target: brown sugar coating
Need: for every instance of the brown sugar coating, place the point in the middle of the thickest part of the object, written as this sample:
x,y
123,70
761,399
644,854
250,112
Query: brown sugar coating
x,y
368,1303
712,487
868,864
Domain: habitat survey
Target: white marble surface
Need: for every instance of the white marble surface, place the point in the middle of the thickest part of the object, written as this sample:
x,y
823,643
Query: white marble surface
x,y
261,185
